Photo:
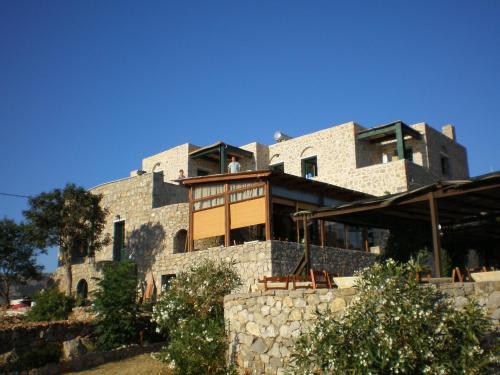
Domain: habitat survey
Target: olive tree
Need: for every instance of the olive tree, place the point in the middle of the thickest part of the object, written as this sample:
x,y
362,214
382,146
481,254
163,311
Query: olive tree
x,y
70,218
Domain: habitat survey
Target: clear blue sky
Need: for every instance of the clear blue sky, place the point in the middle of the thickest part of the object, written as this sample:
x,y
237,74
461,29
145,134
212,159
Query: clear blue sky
x,y
89,88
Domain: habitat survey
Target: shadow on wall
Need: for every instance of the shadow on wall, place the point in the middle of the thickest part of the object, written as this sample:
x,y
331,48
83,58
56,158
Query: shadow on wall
x,y
144,244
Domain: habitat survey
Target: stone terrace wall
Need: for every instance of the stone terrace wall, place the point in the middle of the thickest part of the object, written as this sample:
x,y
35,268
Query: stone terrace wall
x,y
252,261
24,336
332,259
263,326
256,259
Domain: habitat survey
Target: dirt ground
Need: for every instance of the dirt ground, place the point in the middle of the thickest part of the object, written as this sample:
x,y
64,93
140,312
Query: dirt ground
x,y
138,365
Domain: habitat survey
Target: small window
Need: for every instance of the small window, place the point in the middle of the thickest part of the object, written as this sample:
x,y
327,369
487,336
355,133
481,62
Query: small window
x,y
180,243
445,166
310,167
82,289
119,241
201,172
280,167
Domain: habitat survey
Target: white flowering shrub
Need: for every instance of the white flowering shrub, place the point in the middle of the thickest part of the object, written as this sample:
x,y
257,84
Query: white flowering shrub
x,y
191,313
396,326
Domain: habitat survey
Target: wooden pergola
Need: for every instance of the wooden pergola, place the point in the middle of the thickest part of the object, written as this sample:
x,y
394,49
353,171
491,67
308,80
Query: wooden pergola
x,y
219,153
396,130
468,209
224,202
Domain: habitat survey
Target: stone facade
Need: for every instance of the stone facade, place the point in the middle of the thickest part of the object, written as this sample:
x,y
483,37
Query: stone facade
x,y
345,161
342,159
153,210
263,326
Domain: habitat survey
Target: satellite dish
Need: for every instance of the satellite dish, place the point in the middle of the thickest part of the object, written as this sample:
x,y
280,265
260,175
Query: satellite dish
x,y
281,137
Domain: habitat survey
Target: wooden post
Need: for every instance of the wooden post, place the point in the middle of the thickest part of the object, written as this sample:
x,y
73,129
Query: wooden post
x,y
297,227
400,141
322,232
269,212
227,216
365,239
346,236
436,239
223,158
191,221
306,247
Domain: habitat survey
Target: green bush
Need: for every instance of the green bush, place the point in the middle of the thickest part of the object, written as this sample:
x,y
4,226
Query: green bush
x,y
50,304
191,312
116,305
396,326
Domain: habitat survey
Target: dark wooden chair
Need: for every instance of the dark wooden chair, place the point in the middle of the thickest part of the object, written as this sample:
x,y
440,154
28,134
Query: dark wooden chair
x,y
320,279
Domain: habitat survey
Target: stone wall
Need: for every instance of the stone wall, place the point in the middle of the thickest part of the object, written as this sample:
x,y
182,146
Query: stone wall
x,y
24,336
263,326
379,179
256,259
334,148
439,144
334,260
169,161
252,260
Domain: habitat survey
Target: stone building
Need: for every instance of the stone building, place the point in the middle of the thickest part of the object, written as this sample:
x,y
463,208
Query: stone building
x,y
153,216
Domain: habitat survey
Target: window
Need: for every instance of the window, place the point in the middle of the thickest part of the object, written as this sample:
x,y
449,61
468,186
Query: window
x,y
280,167
310,167
180,244
82,289
445,166
213,193
201,172
119,241
253,191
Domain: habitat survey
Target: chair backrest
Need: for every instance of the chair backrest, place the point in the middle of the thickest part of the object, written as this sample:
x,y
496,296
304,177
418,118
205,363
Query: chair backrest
x,y
320,278
276,279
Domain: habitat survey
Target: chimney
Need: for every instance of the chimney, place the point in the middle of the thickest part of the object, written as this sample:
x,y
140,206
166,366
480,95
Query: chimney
x,y
449,131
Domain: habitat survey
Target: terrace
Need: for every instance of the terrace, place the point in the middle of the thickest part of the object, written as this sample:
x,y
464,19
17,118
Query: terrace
x,y
232,209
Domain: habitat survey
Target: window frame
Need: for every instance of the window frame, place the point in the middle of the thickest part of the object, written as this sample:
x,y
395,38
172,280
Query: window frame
x,y
305,161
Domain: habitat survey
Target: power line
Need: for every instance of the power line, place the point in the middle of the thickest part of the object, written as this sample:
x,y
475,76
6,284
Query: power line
x,y
15,195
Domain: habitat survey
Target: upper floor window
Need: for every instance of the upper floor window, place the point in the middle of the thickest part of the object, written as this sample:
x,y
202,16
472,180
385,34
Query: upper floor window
x,y
119,241
201,172
445,166
310,167
279,167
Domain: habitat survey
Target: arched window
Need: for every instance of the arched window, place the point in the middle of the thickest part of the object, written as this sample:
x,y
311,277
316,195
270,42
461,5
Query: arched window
x,y
82,289
180,243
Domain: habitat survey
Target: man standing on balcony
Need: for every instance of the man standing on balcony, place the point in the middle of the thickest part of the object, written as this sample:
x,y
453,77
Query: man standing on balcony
x,y
234,166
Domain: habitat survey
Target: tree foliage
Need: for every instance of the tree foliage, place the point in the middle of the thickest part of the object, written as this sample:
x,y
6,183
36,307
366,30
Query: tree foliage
x,y
17,257
397,326
191,312
116,305
50,304
70,218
